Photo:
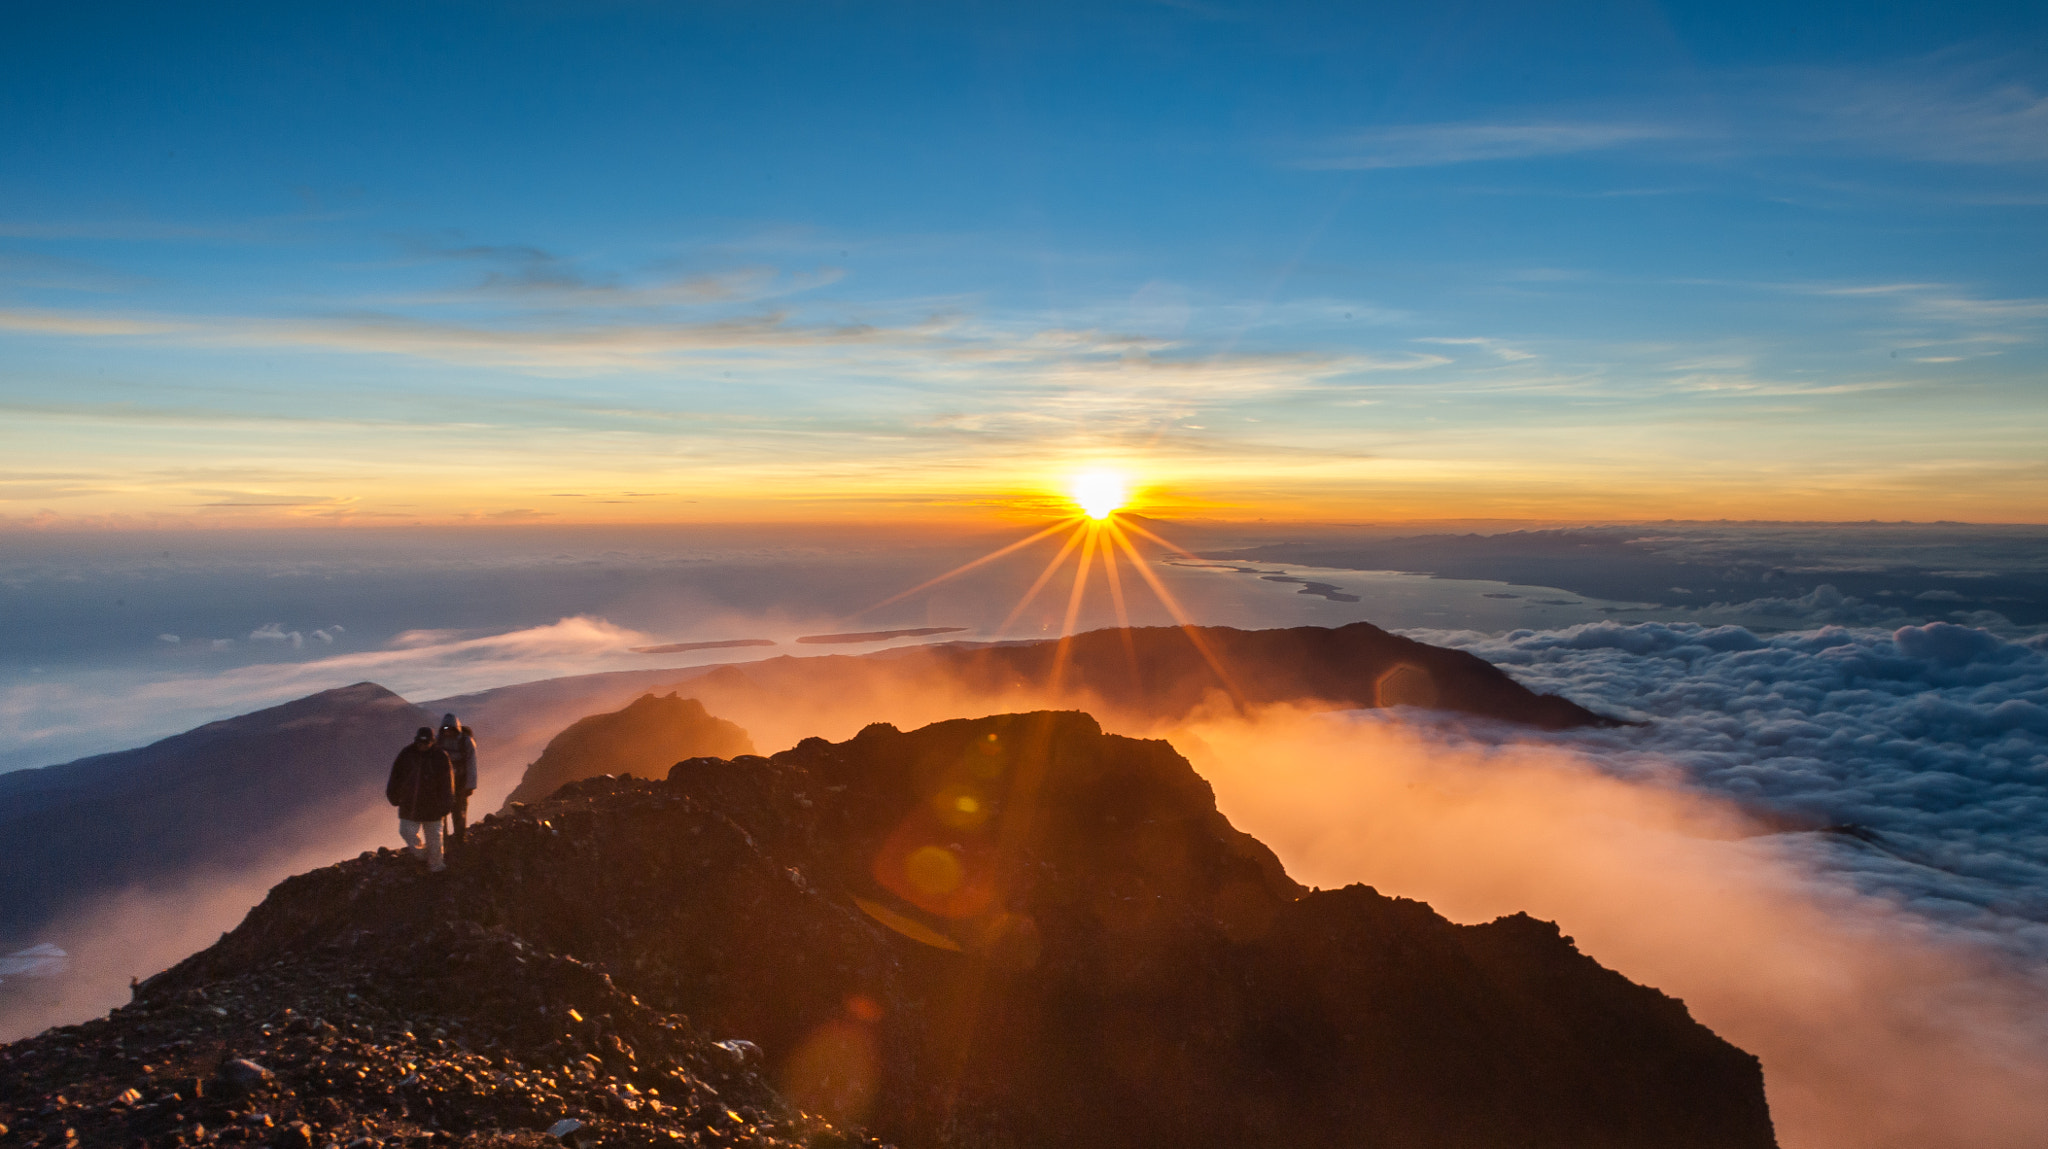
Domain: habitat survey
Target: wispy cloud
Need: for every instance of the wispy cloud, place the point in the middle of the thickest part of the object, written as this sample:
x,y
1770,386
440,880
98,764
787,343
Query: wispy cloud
x,y
1925,313
1879,289
1437,145
1494,347
1201,10
1746,386
1985,312
37,270
1939,110
245,230
38,322
17,488
1052,367
526,275
543,346
60,711
249,499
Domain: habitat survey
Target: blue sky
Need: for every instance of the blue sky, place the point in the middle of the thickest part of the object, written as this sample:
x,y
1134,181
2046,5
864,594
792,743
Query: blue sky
x,y
390,263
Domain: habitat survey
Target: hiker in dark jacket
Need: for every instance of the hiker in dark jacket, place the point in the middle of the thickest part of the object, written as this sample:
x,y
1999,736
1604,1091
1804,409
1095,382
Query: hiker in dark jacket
x,y
422,786
459,742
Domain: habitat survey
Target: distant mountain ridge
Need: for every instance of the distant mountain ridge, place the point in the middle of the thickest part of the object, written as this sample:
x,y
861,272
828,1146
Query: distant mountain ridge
x,y
1142,680
224,794
1169,673
1153,675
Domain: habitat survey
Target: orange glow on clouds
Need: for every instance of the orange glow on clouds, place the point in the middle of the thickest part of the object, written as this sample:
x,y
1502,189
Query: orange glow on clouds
x,y
473,478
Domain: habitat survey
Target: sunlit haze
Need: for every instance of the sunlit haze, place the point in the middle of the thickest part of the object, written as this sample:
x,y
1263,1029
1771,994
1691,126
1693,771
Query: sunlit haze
x,y
657,263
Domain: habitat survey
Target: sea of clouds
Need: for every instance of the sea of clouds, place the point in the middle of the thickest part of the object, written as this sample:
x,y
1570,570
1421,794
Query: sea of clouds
x,y
1826,828
1928,744
1832,844
1891,972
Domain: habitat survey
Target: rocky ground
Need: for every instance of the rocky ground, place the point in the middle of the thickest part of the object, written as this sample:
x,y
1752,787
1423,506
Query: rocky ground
x,y
1011,931
438,1033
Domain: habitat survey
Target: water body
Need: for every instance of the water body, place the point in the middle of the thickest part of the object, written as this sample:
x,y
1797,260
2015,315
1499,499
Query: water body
x,y
1398,600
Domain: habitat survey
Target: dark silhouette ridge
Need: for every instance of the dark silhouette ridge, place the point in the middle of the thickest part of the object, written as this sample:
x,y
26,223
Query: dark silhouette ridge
x,y
225,794
686,647
1009,931
1162,672
644,738
1158,675
879,635
1160,678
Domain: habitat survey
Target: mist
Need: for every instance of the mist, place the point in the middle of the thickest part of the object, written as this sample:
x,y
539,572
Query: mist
x,y
1877,1027
118,639
145,929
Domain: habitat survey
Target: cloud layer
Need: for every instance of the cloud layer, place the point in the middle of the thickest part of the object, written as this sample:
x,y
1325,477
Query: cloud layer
x,y
49,717
1932,740
1877,1028
1832,844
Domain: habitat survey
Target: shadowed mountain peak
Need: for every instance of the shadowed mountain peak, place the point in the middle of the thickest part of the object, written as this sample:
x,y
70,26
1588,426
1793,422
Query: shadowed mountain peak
x,y
652,733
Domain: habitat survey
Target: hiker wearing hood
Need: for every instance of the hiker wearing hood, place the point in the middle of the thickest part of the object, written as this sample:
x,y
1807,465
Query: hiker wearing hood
x,y
459,743
422,786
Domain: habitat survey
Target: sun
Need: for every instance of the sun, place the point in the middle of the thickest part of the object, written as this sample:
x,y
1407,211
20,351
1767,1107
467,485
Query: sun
x,y
1099,493
1098,536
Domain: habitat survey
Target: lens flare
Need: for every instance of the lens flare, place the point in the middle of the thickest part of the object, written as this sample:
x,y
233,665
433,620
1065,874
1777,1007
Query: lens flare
x,y
1099,493
1099,534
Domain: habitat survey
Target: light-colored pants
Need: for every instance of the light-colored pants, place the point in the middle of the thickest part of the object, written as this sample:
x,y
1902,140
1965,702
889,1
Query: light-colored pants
x,y
411,831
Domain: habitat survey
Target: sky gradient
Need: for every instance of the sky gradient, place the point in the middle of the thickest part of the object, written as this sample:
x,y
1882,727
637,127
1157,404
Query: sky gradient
x,y
625,262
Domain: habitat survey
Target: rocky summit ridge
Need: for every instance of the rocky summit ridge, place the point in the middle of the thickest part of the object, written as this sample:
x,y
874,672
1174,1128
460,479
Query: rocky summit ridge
x,y
1008,931
644,737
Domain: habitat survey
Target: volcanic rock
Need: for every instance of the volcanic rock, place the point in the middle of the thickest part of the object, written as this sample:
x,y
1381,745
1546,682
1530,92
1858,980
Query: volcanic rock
x,y
426,1028
645,738
1007,931
244,1074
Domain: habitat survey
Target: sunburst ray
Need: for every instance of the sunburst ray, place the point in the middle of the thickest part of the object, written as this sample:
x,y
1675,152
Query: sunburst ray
x,y
965,567
1116,598
1093,531
1045,576
1180,616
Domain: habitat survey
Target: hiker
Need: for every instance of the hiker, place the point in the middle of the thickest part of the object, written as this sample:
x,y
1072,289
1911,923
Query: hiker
x,y
459,742
422,786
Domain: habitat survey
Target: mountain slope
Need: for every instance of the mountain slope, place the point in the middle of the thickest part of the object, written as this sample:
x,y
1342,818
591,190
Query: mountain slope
x,y
645,738
1008,931
223,795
